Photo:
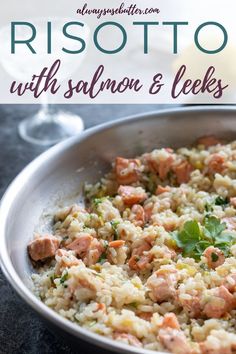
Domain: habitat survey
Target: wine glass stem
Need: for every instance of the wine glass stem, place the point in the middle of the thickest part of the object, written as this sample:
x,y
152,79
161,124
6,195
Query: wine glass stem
x,y
47,110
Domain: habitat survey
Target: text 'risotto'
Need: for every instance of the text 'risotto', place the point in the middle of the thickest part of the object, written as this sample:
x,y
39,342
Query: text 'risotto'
x,y
151,260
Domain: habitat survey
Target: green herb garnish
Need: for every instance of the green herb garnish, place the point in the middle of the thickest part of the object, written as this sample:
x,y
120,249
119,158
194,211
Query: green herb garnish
x,y
102,258
193,239
221,201
114,225
97,201
188,237
208,207
64,278
213,228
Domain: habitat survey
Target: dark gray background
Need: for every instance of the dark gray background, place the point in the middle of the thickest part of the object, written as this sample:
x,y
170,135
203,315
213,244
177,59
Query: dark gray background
x,y
21,331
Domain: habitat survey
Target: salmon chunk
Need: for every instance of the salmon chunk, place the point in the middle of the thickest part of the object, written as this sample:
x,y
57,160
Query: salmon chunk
x,y
216,164
192,306
160,189
175,341
81,244
215,257
132,195
138,251
65,259
165,167
126,170
220,302
183,171
140,261
94,252
137,216
170,321
88,248
161,166
162,285
43,247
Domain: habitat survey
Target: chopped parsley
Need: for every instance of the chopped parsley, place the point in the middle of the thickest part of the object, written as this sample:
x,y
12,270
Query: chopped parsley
x,y
102,258
114,225
97,201
193,239
64,278
208,207
221,201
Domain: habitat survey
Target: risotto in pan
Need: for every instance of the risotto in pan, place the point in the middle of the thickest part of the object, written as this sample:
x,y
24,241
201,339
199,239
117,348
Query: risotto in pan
x,y
151,259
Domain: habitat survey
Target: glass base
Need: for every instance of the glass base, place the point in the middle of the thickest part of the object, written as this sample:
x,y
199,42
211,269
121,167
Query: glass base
x,y
49,129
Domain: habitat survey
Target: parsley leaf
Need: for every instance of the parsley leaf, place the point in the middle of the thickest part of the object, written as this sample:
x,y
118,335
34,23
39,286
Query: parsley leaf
x,y
213,227
201,246
225,237
188,237
193,239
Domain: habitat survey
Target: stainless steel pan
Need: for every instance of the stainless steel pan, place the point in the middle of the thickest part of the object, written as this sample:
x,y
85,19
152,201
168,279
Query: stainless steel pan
x,y
56,178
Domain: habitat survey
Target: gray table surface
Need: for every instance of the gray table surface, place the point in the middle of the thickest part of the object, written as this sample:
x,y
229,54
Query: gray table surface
x,y
21,331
